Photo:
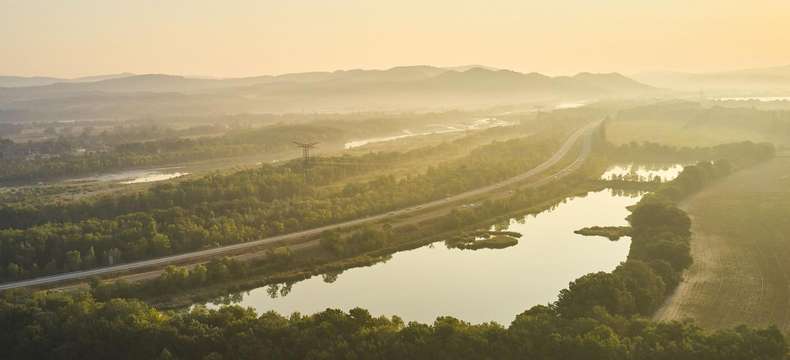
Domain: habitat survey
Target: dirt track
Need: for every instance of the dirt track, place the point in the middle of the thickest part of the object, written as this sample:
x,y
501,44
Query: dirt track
x,y
740,245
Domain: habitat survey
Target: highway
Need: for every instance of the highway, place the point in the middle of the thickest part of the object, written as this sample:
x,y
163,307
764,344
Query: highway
x,y
566,147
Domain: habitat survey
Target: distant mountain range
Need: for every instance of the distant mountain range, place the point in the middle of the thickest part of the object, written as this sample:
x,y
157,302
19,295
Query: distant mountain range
x,y
406,87
22,81
770,80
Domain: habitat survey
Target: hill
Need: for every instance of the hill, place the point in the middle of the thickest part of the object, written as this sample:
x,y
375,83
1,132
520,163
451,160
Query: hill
x,y
758,81
28,81
398,88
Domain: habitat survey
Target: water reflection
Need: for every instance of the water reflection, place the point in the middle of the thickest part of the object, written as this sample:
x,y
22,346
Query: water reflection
x,y
153,177
661,172
755,98
570,105
477,286
134,176
478,124
277,290
232,298
626,192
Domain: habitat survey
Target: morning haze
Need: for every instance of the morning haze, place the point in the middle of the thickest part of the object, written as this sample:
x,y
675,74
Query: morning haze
x,y
245,38
434,180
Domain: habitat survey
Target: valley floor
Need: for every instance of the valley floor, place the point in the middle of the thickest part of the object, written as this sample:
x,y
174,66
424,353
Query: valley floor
x,y
740,246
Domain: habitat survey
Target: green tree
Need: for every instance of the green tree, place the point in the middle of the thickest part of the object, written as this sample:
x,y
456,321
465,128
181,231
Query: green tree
x,y
160,245
13,271
198,275
90,258
73,260
646,287
596,289
654,215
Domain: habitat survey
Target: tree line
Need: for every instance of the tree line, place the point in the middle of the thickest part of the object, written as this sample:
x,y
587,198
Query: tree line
x,y
63,326
599,316
659,253
670,254
154,152
772,124
740,153
146,143
225,209
343,250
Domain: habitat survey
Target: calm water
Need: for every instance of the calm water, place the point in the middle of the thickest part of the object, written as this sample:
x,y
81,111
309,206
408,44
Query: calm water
x,y
433,130
643,172
570,105
154,176
476,286
134,176
757,98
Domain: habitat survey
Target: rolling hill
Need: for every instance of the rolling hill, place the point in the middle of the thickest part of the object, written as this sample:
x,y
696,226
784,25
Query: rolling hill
x,y
758,81
399,88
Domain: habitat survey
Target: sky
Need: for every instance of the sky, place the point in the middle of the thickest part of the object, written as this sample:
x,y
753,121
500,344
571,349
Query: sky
x,y
70,38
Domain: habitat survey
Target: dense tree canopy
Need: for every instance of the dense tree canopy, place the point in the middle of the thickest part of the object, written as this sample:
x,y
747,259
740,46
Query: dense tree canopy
x,y
597,317
660,251
59,326
225,209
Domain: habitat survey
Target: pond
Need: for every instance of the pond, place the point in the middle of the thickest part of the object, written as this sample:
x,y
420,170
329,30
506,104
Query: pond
x,y
473,285
643,172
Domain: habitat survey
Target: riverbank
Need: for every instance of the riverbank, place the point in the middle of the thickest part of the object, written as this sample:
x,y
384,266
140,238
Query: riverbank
x,y
315,261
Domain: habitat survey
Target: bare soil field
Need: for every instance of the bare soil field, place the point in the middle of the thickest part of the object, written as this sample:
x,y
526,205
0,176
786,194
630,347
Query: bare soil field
x,y
741,251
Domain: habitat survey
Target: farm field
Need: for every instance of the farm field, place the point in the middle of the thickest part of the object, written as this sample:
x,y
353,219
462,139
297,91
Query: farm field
x,y
679,133
740,246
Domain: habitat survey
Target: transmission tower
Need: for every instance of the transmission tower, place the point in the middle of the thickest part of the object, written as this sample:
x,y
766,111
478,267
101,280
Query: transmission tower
x,y
305,155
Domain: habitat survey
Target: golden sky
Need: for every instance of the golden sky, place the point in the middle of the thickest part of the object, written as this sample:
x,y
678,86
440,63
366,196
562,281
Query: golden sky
x,y
246,37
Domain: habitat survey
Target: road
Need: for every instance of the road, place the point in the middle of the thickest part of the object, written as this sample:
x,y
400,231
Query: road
x,y
553,160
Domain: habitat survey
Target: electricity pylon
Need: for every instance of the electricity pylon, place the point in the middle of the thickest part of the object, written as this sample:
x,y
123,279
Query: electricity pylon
x,y
305,155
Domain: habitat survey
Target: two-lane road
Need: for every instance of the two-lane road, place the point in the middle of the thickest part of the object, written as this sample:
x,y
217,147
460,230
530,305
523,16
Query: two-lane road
x,y
553,160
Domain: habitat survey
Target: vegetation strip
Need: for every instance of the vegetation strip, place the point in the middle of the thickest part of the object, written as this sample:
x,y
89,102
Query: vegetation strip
x,y
597,317
225,210
611,232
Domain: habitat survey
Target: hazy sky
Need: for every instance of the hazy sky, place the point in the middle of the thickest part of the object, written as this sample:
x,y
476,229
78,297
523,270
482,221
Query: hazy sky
x,y
246,37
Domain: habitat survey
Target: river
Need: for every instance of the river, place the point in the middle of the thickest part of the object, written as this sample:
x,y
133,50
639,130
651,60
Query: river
x,y
485,123
134,176
473,285
755,98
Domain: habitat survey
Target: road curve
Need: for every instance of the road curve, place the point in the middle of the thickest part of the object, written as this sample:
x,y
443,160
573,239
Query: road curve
x,y
553,160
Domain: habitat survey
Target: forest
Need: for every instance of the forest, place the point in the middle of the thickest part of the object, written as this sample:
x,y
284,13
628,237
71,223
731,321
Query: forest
x,y
337,251
145,153
660,237
61,326
73,149
226,209
599,316
438,180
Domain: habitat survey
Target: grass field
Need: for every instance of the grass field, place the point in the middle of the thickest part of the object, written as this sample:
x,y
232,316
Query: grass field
x,y
741,251
678,133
